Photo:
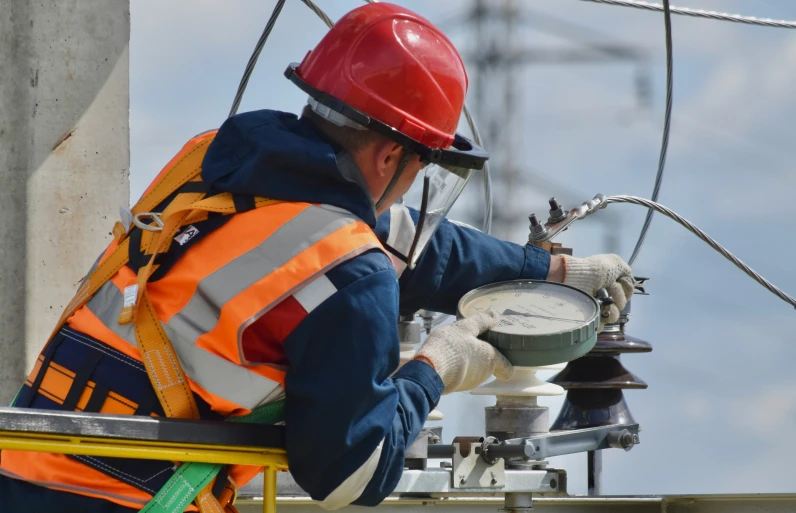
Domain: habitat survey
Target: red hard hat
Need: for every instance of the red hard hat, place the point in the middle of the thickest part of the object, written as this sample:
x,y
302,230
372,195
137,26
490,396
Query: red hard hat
x,y
394,66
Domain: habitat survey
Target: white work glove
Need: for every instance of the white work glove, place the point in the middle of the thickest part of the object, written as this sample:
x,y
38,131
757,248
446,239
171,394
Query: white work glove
x,y
607,272
463,361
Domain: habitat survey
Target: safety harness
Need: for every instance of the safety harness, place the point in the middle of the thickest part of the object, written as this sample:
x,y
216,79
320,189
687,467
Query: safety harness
x,y
192,202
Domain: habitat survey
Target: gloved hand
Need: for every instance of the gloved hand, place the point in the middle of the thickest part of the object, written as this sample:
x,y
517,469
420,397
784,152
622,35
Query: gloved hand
x,y
601,271
462,360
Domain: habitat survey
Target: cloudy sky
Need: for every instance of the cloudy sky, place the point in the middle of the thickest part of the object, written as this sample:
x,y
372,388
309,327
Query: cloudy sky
x,y
720,409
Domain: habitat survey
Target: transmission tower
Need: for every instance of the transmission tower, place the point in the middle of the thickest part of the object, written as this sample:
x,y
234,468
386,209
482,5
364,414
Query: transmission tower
x,y
497,56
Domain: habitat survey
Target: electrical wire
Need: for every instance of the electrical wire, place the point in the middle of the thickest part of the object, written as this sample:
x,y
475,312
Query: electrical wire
x,y
244,81
706,238
701,13
317,10
667,121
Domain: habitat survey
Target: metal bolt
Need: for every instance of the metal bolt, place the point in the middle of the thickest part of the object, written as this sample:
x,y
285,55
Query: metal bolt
x,y
537,229
557,214
553,483
622,439
462,481
626,439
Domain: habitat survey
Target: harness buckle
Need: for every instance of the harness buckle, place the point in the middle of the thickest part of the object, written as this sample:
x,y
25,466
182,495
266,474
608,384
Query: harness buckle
x,y
155,216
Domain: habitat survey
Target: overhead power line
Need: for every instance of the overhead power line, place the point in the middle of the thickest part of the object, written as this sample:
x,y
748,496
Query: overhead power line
x,y
667,121
700,13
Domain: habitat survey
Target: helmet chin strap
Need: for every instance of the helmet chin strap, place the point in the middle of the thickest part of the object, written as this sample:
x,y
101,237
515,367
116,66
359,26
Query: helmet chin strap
x,y
406,156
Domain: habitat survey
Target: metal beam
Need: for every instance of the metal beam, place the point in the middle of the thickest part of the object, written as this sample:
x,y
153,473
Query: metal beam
x,y
32,423
749,503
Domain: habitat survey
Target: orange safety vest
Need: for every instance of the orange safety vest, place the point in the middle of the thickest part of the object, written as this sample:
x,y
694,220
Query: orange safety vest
x,y
222,284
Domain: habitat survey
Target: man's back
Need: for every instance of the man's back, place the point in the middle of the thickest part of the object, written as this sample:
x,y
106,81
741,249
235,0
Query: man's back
x,y
334,338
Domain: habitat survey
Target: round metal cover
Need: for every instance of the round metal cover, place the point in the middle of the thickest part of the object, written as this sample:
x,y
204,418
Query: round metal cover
x,y
543,322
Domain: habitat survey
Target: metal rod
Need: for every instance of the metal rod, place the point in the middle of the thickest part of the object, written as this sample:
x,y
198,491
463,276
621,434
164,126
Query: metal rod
x,y
557,443
439,451
269,490
595,472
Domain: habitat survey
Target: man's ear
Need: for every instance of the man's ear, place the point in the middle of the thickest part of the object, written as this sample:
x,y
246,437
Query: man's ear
x,y
386,157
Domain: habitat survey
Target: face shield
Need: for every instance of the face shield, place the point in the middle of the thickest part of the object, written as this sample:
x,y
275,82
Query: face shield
x,y
442,185
447,169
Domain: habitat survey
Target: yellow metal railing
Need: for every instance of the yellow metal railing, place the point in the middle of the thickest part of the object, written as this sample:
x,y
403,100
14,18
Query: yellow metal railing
x,y
273,460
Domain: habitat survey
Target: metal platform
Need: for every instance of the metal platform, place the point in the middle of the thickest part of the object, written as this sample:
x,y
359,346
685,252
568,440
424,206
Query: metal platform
x,y
753,503
434,484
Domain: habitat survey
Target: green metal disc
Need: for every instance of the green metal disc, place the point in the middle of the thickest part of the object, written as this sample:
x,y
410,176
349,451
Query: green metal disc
x,y
543,322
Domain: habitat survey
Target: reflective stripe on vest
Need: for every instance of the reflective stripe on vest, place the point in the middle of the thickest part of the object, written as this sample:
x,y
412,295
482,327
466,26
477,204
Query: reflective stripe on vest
x,y
205,317
219,287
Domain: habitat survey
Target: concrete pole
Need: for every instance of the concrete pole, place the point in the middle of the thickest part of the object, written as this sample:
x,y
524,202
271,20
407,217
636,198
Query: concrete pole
x,y
64,160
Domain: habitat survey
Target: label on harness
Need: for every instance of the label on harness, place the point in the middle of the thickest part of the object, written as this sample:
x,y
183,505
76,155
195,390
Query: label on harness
x,y
130,296
130,293
189,233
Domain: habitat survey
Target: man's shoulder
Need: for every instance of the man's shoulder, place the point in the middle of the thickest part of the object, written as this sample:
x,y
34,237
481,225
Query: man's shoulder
x,y
361,266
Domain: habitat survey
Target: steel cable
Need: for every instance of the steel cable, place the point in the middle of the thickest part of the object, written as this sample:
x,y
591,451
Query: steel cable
x,y
667,121
244,81
317,10
706,238
701,13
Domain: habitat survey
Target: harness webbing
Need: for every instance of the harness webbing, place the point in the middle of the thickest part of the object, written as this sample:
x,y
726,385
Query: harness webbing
x,y
191,478
163,367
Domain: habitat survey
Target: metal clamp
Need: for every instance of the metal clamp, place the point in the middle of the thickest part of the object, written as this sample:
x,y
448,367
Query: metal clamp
x,y
584,210
471,470
559,443
541,446
155,216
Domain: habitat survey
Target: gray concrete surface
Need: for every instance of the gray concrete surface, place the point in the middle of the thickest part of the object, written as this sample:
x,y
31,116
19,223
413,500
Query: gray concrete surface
x,y
64,160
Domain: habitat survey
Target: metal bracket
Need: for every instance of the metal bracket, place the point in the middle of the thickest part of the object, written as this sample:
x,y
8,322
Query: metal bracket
x,y
470,470
547,445
558,443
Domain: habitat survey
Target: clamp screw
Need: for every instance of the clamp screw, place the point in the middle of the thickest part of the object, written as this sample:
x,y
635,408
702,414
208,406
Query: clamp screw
x,y
537,229
557,214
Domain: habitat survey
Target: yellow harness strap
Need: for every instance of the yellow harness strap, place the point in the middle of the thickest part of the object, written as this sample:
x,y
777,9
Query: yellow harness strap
x,y
161,362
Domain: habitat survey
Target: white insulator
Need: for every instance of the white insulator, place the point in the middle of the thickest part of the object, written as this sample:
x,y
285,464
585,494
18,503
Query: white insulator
x,y
523,383
554,367
435,415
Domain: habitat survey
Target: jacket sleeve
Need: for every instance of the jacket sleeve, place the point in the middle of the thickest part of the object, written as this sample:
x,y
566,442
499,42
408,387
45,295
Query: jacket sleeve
x,y
456,260
348,422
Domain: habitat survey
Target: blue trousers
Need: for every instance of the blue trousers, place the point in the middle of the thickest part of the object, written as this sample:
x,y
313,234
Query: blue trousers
x,y
22,497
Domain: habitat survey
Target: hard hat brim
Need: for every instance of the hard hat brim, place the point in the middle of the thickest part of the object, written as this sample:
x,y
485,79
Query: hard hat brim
x,y
463,153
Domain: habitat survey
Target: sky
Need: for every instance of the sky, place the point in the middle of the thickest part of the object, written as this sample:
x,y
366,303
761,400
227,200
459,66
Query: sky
x,y
721,404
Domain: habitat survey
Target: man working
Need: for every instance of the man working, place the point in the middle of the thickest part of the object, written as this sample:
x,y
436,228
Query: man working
x,y
279,273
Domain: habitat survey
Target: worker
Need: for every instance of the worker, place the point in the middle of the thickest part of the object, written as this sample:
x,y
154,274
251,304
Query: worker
x,y
293,290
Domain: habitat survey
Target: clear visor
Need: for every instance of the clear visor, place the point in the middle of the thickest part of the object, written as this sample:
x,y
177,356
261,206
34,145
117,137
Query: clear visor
x,y
442,185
